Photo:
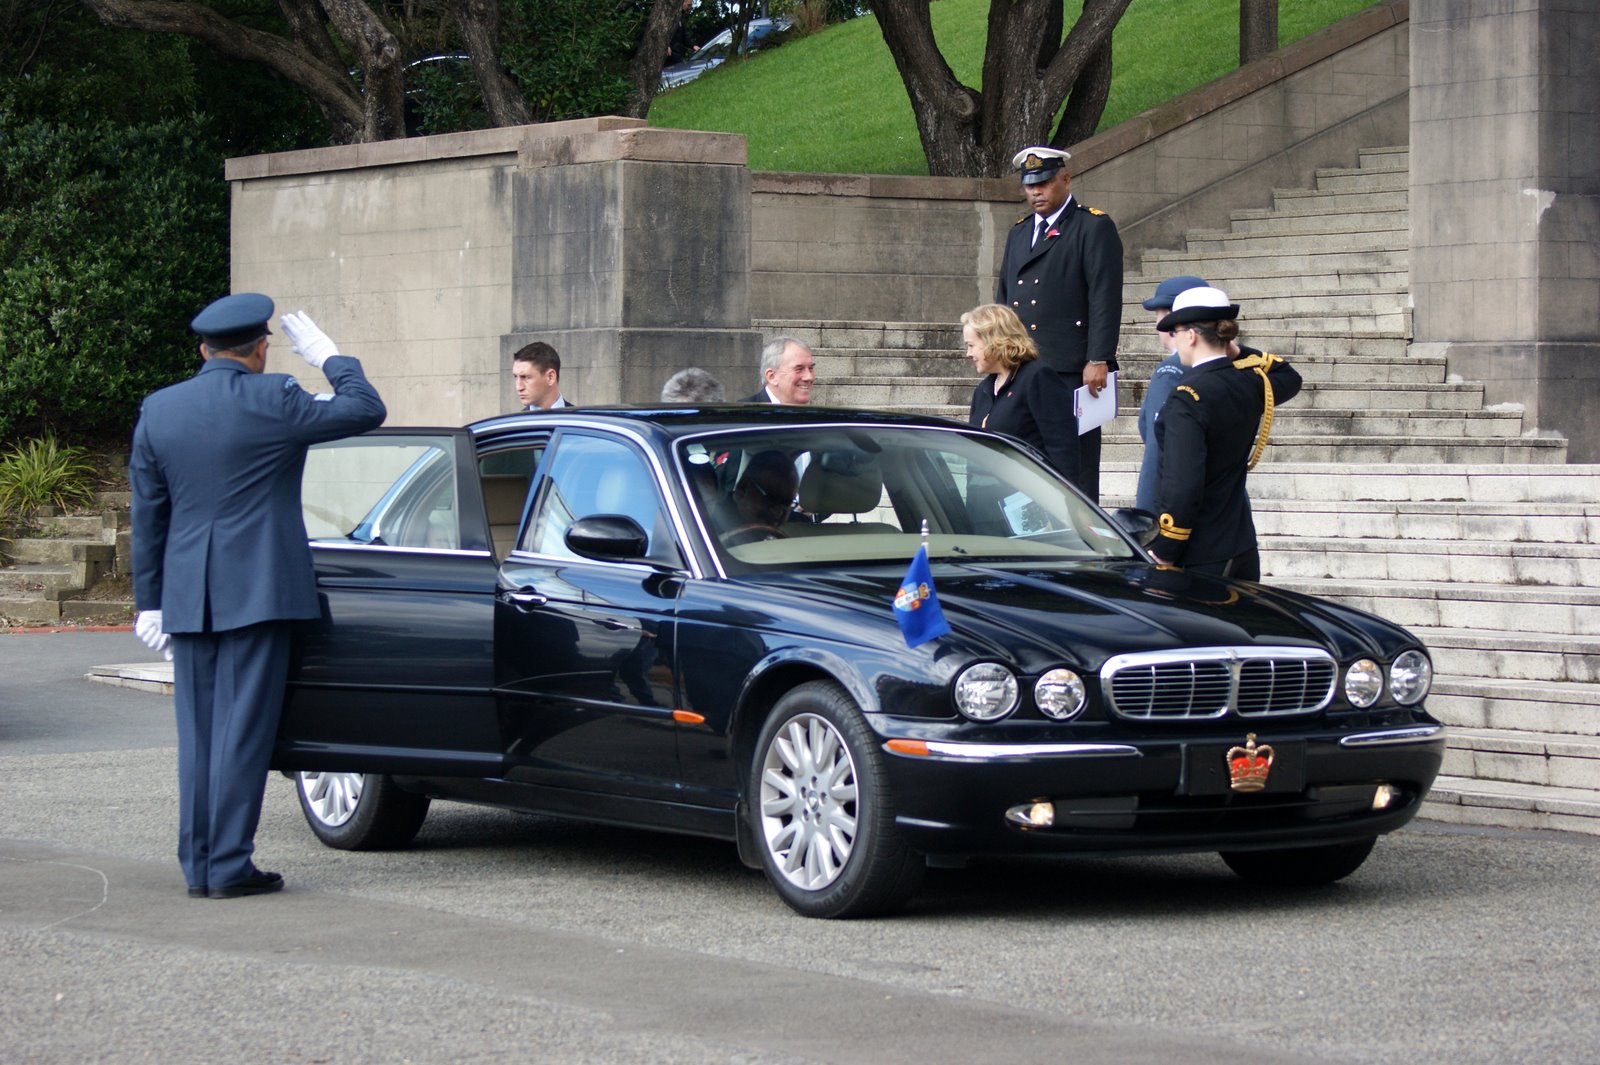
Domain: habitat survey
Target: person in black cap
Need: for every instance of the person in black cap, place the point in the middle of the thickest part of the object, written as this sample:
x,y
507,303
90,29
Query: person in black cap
x,y
1212,432
1062,274
221,569
1162,381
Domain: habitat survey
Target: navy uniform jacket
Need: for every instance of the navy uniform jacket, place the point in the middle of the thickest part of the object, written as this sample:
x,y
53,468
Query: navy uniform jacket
x,y
1068,289
1029,408
215,471
1207,429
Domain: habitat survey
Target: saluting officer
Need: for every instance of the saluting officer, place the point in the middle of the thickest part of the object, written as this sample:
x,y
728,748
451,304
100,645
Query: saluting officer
x,y
1213,430
221,569
1062,275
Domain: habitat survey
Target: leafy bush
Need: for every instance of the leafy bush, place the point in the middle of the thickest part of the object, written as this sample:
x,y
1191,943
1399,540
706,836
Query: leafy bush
x,y
110,239
42,473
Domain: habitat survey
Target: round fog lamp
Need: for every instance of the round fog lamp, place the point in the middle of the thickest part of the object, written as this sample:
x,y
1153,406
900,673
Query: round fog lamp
x,y
1363,683
1060,694
986,691
1410,677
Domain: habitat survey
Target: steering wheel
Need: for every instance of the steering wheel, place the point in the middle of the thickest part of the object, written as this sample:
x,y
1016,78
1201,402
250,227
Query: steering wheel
x,y
755,532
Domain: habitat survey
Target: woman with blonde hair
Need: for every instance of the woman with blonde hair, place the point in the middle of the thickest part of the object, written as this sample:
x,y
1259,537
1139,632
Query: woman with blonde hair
x,y
1019,395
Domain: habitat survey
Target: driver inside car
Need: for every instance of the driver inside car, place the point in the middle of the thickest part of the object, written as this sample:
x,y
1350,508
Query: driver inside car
x,y
762,499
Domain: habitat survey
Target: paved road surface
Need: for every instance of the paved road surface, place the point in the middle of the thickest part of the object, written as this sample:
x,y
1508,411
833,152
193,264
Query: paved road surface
x,y
514,938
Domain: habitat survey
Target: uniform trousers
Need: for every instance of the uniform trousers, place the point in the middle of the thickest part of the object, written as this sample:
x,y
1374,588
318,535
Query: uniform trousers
x,y
1245,566
1088,447
228,689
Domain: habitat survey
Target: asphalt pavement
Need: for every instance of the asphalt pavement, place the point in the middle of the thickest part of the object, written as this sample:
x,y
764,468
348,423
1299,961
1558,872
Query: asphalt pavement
x,y
511,937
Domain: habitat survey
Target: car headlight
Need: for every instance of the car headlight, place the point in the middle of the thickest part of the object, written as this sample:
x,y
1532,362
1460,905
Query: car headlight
x,y
986,691
1060,694
1363,683
1410,677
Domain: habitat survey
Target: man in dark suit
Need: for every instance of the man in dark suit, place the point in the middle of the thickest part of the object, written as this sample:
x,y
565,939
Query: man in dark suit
x,y
1062,273
221,564
788,372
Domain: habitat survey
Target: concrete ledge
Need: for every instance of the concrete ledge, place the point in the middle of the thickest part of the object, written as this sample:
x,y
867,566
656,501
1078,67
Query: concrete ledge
x,y
153,677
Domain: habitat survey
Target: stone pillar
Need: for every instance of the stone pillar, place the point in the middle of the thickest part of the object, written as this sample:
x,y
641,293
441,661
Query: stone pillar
x,y
1505,203
434,259
632,258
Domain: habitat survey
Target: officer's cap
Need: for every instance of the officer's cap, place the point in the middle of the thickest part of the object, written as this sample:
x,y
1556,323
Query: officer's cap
x,y
1039,164
1203,304
233,320
1168,291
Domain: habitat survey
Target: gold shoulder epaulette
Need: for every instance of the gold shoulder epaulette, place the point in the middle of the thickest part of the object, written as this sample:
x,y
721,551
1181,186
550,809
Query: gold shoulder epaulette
x,y
1266,360
1192,392
1092,210
1021,220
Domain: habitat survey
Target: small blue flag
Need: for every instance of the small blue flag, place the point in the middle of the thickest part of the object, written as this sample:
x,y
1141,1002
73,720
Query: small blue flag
x,y
916,605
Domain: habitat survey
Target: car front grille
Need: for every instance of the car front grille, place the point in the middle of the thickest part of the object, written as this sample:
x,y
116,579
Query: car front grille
x,y
1210,682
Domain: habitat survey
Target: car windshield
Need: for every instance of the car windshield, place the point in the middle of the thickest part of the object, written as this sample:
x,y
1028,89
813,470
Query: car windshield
x,y
833,494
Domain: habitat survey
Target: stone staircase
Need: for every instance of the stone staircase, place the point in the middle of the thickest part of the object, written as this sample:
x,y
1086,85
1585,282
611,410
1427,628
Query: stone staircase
x,y
56,572
1387,486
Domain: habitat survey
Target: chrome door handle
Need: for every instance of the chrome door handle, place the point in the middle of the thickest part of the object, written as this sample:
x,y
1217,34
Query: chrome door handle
x,y
527,598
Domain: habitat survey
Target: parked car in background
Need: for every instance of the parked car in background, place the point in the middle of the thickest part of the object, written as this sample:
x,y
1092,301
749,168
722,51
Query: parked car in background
x,y
762,33
699,620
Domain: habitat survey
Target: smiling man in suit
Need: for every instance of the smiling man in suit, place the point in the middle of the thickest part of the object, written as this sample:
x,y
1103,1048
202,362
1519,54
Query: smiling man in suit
x,y
1062,274
221,567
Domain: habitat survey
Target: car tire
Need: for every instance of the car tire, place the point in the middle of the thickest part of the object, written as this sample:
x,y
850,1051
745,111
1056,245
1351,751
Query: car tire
x,y
1300,866
821,812
360,811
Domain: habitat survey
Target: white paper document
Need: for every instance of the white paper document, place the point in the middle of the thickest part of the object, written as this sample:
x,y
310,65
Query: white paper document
x,y
1094,411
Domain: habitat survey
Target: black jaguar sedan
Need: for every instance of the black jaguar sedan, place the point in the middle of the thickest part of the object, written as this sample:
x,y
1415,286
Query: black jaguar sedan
x,y
686,619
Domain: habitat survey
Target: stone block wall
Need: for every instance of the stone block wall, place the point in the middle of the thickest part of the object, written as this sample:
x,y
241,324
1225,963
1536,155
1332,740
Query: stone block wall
x,y
1505,203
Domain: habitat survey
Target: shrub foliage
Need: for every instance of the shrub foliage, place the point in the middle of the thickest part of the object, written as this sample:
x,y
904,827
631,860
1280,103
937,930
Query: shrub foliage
x,y
42,473
111,237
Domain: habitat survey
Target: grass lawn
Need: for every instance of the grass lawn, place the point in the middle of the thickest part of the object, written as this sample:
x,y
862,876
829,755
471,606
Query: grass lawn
x,y
834,103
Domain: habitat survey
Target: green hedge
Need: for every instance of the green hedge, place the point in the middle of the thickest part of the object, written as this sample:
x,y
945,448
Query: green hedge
x,y
110,240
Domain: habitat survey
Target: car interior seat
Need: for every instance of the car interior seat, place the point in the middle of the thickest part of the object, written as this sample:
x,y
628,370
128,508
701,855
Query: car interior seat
x,y
503,497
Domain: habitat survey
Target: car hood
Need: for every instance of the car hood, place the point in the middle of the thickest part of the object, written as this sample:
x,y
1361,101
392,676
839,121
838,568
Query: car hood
x,y
1087,613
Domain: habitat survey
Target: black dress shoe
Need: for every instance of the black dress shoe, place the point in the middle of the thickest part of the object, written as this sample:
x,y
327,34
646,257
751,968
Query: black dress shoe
x,y
257,883
197,892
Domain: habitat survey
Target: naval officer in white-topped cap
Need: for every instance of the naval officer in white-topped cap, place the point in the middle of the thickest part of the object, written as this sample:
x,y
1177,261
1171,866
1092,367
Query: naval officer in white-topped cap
x,y
1062,274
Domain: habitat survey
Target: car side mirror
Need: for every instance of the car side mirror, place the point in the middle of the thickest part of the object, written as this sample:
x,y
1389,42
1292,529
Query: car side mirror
x,y
608,538
1139,524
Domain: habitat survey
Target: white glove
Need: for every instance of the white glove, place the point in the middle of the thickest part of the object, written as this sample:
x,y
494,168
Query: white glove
x,y
310,343
147,626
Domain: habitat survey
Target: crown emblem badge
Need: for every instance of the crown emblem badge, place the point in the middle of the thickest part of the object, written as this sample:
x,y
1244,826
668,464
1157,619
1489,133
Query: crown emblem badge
x,y
1032,162
1249,765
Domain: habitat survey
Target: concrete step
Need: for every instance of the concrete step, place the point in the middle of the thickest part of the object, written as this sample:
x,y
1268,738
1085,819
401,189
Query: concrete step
x,y
1459,561
1394,233
1462,604
1335,451
1425,482
1525,705
1385,156
1249,284
1381,194
1374,177
34,580
61,550
1249,262
1466,801
1314,221
1548,759
898,336
1513,527
1295,296
1512,656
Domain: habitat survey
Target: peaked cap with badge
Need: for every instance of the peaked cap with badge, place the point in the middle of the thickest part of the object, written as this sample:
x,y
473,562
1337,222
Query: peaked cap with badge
x,y
233,320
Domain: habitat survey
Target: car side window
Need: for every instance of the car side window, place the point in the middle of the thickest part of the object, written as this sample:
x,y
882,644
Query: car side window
x,y
389,491
590,475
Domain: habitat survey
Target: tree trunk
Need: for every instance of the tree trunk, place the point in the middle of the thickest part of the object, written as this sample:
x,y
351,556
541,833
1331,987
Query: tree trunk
x,y
479,22
378,52
1026,77
1258,29
644,71
1087,102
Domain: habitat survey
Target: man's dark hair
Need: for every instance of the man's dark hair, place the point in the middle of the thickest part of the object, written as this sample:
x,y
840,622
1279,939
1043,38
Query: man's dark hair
x,y
542,355
238,351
